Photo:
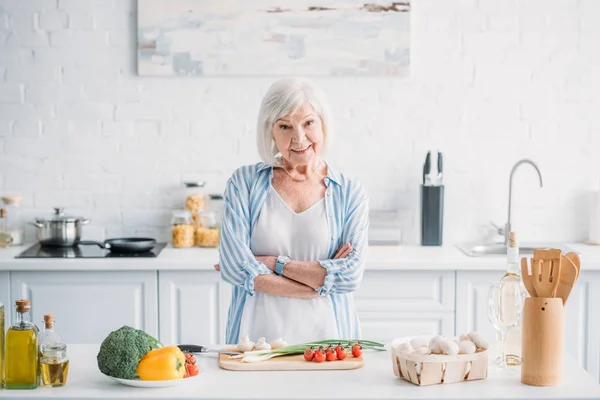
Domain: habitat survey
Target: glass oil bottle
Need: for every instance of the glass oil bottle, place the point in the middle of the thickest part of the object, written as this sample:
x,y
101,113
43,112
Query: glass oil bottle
x,y
22,350
54,364
1,345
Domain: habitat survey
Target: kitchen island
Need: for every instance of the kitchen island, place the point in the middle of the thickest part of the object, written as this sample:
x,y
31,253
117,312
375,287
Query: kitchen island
x,y
179,298
374,381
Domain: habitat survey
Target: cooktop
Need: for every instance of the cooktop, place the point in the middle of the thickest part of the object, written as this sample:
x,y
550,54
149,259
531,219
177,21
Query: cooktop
x,y
83,251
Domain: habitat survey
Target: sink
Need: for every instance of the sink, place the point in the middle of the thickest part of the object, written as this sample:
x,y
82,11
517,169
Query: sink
x,y
498,249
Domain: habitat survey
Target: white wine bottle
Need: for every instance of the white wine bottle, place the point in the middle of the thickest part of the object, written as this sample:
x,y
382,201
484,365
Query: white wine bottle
x,y
513,282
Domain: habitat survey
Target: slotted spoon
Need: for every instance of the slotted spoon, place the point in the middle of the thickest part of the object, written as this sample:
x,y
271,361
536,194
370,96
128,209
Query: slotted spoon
x,y
545,270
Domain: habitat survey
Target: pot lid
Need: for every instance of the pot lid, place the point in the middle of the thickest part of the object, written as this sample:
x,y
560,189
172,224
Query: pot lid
x,y
59,216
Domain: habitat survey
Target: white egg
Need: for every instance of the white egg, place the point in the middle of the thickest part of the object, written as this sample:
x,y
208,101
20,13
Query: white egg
x,y
466,347
449,347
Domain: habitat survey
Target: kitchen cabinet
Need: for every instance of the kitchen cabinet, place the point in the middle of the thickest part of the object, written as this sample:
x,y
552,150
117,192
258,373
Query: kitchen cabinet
x,y
582,321
393,304
193,307
88,304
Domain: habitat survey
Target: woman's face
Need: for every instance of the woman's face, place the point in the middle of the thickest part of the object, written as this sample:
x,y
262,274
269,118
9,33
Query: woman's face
x,y
299,137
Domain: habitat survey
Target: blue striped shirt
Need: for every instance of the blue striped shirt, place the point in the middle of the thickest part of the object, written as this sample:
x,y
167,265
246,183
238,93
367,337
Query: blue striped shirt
x,y
347,207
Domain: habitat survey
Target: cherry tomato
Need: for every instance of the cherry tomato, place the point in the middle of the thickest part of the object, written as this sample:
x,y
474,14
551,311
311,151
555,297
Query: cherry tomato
x,y
192,359
340,353
187,356
309,355
356,350
319,356
192,369
330,355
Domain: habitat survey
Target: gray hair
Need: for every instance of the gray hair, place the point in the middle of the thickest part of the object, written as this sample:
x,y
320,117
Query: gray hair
x,y
284,97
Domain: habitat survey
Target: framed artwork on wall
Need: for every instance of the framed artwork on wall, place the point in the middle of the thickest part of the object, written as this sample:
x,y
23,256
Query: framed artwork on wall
x,y
271,38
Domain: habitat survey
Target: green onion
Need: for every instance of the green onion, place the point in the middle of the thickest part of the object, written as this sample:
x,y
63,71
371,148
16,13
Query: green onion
x,y
262,355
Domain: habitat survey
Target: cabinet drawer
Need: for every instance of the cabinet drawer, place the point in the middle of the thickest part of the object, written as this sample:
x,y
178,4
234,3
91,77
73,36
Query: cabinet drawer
x,y
406,291
384,327
87,305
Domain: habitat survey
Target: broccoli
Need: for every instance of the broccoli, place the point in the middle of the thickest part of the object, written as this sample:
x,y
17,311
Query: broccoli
x,y
121,351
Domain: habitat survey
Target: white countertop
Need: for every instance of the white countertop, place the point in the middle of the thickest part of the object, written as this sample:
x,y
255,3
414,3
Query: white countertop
x,y
404,257
374,381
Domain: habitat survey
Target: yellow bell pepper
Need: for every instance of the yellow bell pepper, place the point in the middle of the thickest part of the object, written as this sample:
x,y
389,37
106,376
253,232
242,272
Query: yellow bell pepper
x,y
166,363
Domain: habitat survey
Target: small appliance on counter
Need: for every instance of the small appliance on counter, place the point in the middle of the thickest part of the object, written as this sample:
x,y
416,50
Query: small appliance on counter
x,y
432,204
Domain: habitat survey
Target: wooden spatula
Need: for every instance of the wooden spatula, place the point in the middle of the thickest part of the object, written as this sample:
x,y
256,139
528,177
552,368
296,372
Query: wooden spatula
x,y
545,269
574,257
568,277
527,278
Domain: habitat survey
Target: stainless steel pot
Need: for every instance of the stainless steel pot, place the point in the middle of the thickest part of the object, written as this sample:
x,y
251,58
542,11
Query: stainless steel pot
x,y
59,230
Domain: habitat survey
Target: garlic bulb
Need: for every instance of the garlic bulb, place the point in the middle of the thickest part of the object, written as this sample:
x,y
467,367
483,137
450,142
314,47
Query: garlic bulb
x,y
419,342
463,338
466,347
277,343
245,344
479,340
262,344
434,344
449,347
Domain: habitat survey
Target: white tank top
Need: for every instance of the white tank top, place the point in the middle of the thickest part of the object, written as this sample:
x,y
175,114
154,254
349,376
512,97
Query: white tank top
x,y
301,236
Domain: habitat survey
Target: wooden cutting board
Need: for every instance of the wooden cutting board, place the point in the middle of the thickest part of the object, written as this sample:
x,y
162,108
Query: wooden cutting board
x,y
289,363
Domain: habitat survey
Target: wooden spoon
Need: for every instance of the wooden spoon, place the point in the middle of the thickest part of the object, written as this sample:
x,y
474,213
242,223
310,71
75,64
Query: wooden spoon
x,y
527,278
574,257
545,269
568,277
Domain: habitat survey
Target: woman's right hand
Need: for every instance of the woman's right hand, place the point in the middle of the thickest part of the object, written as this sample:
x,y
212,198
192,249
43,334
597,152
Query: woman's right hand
x,y
344,251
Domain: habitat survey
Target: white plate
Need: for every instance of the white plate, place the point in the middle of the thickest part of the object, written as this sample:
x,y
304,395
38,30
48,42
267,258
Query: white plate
x,y
153,384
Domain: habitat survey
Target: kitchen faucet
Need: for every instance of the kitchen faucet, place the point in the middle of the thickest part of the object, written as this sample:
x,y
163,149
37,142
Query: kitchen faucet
x,y
507,226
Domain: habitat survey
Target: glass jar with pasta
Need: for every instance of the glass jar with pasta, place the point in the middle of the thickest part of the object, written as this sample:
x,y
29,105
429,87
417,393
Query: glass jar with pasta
x,y
194,198
182,228
207,230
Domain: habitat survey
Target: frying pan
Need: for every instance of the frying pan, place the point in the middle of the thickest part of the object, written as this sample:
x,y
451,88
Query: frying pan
x,y
124,245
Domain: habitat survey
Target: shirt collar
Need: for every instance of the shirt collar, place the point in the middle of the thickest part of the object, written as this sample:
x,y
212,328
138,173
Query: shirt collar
x,y
333,174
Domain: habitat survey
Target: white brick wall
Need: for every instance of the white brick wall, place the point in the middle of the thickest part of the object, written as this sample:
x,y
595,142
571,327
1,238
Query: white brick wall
x,y
492,82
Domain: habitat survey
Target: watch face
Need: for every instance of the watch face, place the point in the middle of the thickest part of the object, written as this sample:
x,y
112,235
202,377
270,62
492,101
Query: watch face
x,y
283,259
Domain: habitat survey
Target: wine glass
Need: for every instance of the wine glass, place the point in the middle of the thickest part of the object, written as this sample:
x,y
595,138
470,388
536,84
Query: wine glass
x,y
505,305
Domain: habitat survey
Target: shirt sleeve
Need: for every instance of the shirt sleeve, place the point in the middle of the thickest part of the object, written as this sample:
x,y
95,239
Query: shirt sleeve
x,y
344,275
238,265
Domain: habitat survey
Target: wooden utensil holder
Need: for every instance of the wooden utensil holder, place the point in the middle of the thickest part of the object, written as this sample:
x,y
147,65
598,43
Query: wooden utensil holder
x,y
543,341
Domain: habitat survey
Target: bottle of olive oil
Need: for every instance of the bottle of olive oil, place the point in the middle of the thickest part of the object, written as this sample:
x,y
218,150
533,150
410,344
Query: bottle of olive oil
x,y
1,345
513,282
22,350
54,364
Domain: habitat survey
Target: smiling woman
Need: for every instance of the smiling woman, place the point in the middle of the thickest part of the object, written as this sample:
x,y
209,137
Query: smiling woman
x,y
294,234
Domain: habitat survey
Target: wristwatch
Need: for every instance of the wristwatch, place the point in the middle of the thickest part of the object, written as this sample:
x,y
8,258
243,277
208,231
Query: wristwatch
x,y
281,261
